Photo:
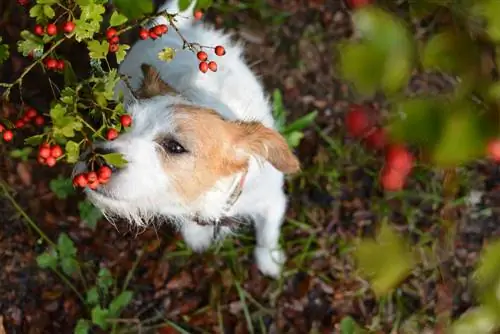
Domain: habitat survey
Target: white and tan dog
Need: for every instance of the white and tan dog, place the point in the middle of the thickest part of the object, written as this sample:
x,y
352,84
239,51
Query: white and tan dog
x,y
202,145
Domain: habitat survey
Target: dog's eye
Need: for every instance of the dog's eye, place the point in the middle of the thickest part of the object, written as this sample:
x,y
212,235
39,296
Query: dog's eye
x,y
171,146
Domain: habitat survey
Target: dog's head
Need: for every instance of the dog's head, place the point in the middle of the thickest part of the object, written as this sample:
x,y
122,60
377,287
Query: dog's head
x,y
180,156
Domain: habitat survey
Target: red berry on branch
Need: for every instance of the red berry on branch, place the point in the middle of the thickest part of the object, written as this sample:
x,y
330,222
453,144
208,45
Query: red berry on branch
x,y
357,121
212,65
44,151
376,139
51,63
68,27
31,113
152,34
8,135
56,151
38,30
112,134
39,120
19,124
113,48
114,40
51,29
198,14
202,55
358,3
219,50
392,179
80,180
203,67
110,33
158,30
399,158
163,28
23,2
125,120
104,172
91,177
143,34
493,150
94,185
60,65
50,161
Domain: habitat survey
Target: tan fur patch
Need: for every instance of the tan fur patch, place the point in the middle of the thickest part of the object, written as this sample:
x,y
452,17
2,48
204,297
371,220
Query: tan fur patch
x,y
152,85
214,149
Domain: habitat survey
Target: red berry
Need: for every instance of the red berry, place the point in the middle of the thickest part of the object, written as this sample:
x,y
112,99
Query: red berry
x,y
38,30
113,48
60,65
198,14
31,113
152,34
158,30
50,161
104,172
26,119
68,27
56,151
112,134
376,139
212,65
23,2
202,55
51,29
114,40
493,150
51,63
203,67
164,28
8,135
94,185
39,120
44,151
91,177
392,179
398,158
80,180
125,120
40,160
143,34
219,50
358,121
358,3
110,33
19,124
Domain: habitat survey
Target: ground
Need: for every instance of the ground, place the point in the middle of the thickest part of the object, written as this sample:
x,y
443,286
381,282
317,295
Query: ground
x,y
333,201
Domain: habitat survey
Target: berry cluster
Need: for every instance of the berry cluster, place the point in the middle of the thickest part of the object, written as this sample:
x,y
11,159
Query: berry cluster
x,y
153,33
30,115
211,65
48,155
7,135
52,30
398,160
125,121
54,64
113,39
93,179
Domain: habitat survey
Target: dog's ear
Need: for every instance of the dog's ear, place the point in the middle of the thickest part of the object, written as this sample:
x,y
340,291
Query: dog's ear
x,y
152,85
256,139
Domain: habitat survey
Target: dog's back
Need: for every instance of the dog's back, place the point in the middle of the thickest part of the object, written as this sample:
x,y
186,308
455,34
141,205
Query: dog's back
x,y
234,91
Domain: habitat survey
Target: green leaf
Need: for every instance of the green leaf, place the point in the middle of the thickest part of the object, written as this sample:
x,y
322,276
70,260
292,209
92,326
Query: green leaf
x,y
487,276
293,138
115,159
121,53
302,122
29,43
204,4
48,12
65,246
104,279
184,4
100,317
134,9
98,50
22,154
89,22
120,302
89,213
62,187
69,265
488,9
167,54
4,52
417,121
477,320
82,327
47,2
92,296
72,152
385,272
64,125
70,78
117,19
47,260
34,140
349,326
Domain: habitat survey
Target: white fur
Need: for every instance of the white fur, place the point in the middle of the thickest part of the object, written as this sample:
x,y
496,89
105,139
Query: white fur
x,y
142,191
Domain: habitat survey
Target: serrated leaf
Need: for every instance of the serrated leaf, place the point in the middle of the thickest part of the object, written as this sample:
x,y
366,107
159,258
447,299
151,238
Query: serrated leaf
x,y
69,265
4,52
166,55
98,49
387,271
100,317
65,246
120,302
115,159
121,52
134,9
117,19
47,260
62,187
89,213
89,22
72,151
34,140
48,12
82,327
92,296
29,43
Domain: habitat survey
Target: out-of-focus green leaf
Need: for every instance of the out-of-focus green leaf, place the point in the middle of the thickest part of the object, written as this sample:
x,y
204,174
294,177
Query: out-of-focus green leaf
x,y
488,10
134,9
386,271
487,276
478,320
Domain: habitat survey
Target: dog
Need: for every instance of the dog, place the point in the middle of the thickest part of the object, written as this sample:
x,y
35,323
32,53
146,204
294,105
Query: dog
x,y
202,147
